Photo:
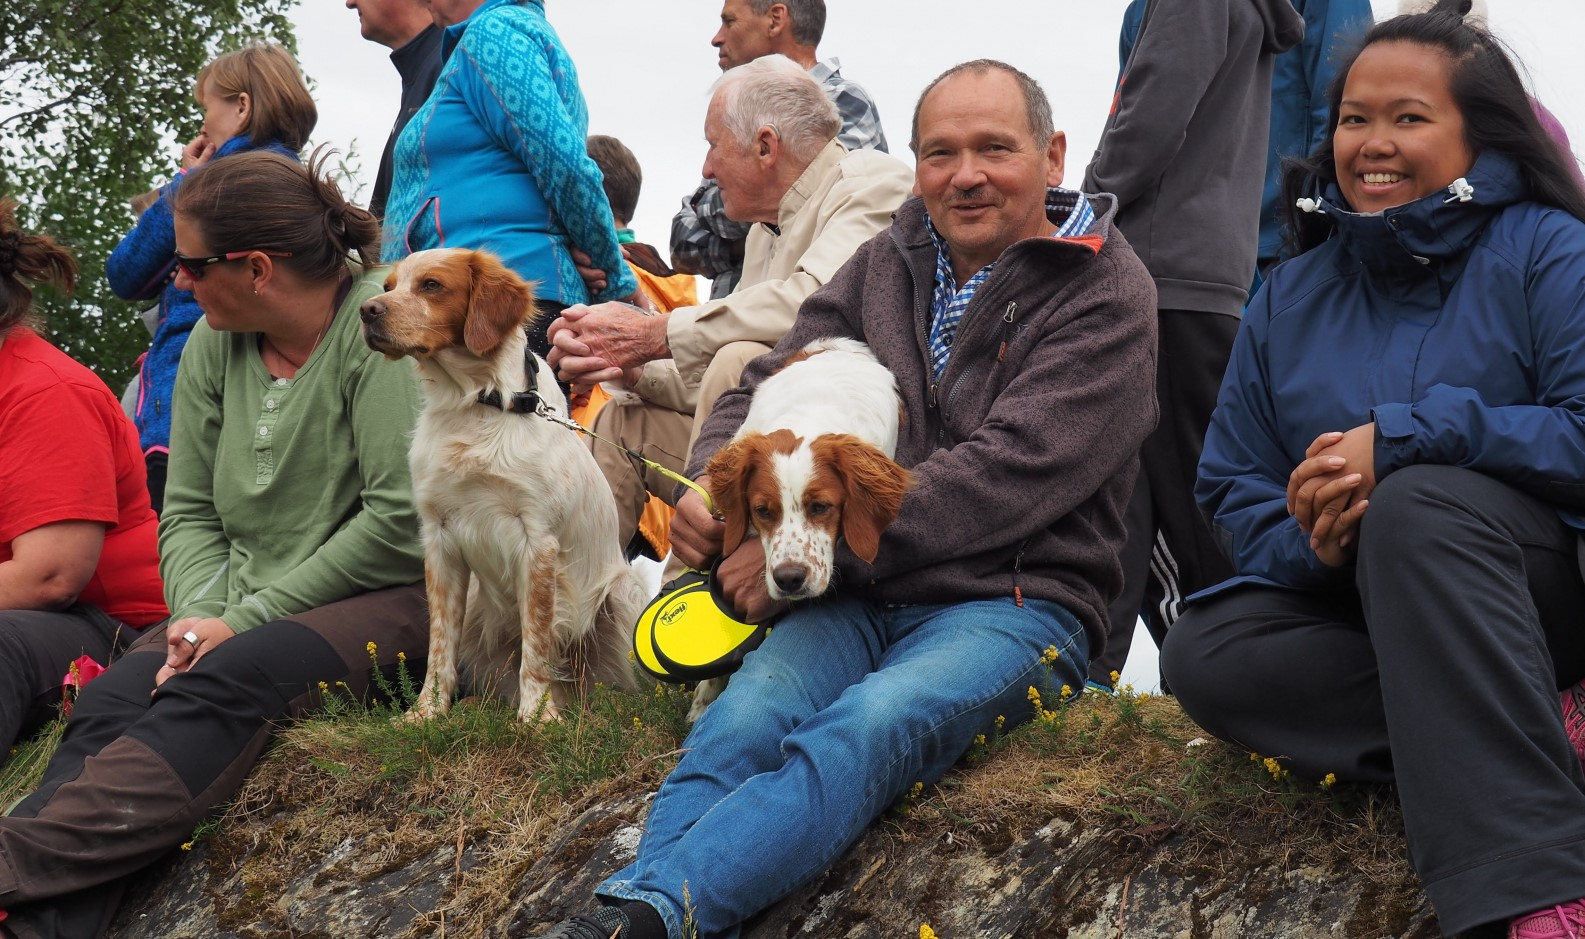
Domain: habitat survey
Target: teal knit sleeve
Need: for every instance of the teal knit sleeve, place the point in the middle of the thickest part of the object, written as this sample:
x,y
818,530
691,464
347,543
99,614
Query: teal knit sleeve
x,y
510,86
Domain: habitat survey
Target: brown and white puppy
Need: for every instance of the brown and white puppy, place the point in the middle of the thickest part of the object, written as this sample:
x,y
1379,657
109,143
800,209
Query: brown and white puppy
x,y
812,462
521,559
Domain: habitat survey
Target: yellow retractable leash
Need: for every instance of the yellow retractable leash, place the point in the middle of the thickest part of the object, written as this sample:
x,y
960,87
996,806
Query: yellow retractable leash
x,y
687,633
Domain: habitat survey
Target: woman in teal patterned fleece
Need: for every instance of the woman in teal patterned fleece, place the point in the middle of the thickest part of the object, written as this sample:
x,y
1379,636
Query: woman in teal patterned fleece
x,y
495,159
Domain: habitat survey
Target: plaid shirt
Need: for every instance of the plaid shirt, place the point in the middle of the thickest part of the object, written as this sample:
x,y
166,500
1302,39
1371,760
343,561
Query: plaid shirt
x,y
702,235
1067,209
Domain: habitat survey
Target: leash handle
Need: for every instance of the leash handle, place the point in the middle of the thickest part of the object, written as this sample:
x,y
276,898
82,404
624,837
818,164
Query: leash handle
x,y
571,424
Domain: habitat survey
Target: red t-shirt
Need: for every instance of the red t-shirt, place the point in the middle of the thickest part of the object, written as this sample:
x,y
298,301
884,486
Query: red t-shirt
x,y
69,453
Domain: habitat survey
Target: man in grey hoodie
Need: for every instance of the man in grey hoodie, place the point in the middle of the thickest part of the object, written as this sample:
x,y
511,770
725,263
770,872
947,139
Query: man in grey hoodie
x,y
1184,151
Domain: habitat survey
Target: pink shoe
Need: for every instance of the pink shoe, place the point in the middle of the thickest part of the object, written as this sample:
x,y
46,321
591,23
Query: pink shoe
x,y
1566,921
1574,717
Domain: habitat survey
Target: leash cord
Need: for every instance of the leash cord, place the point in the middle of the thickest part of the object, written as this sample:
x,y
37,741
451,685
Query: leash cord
x,y
571,424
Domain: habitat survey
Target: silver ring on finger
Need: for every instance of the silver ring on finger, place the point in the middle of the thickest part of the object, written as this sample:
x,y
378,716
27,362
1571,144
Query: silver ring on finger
x,y
191,638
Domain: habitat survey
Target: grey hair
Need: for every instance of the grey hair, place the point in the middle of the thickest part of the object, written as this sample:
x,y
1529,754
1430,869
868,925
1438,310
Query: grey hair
x,y
808,18
1036,105
776,92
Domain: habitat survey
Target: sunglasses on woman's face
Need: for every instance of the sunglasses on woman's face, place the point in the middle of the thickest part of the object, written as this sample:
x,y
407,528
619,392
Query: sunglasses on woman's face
x,y
195,266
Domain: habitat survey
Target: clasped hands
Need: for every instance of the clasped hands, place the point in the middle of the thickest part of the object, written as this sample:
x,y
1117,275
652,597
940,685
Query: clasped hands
x,y
1329,491
606,341
180,654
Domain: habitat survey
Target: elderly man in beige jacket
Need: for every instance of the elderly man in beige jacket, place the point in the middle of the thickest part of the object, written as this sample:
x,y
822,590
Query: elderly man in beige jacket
x,y
773,150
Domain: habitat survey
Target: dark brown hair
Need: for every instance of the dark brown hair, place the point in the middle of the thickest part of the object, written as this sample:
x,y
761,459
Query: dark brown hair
x,y
25,260
619,174
262,201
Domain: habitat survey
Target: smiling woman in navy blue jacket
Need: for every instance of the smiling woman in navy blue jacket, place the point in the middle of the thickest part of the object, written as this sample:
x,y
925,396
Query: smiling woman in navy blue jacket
x,y
1397,467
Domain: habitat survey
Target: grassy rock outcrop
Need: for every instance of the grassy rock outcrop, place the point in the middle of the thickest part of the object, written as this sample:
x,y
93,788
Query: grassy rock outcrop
x,y
1107,818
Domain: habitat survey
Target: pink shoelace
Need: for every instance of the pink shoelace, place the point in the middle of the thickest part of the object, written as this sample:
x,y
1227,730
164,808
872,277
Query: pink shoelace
x,y
1574,717
1566,921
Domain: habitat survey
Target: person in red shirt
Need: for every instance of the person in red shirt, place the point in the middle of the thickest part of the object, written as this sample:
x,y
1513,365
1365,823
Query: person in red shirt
x,y
79,569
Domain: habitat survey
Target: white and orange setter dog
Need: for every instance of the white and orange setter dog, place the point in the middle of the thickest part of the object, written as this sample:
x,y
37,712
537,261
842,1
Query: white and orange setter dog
x,y
503,495
812,461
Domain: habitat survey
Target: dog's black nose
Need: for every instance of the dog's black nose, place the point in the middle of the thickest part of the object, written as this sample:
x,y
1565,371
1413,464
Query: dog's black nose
x,y
790,577
371,310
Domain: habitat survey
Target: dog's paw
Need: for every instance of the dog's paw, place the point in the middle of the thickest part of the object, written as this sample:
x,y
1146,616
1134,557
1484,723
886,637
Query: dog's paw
x,y
539,713
427,709
706,692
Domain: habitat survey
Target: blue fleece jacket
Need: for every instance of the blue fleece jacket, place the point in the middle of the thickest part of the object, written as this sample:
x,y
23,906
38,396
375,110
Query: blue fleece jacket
x,y
1458,327
141,268
495,159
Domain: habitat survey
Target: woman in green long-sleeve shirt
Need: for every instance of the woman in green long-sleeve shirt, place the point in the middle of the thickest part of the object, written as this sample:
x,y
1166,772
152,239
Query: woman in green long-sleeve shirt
x,y
288,545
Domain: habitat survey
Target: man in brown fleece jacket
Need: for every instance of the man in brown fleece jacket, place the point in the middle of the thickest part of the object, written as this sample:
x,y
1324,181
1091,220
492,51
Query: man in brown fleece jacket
x,y
1021,329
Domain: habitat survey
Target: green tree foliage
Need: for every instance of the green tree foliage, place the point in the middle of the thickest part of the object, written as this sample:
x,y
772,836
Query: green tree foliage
x,y
96,99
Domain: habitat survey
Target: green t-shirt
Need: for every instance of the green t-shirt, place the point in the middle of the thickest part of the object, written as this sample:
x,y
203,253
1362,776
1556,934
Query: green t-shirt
x,y
287,494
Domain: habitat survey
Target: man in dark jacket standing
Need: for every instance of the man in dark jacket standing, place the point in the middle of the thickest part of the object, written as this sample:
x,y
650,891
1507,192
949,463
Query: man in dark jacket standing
x,y
406,28
1019,326
1184,151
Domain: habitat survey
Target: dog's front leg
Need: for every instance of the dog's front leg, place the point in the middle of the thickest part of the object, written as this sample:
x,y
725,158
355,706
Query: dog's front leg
x,y
536,601
446,580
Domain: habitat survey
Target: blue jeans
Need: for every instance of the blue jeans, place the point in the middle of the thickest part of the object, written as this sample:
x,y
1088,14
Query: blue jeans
x,y
837,715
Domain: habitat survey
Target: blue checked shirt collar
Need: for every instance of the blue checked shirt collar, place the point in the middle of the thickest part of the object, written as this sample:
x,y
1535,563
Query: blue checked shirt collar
x,y
1067,209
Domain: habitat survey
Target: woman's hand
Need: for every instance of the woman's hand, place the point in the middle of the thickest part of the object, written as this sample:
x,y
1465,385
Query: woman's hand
x,y
594,279
1334,537
197,153
1332,457
182,654
1329,491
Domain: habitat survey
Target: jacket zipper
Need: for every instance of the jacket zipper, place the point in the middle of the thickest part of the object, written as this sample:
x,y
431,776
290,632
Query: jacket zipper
x,y
1009,314
1018,568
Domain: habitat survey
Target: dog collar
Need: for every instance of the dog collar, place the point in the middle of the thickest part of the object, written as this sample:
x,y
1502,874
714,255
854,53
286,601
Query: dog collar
x,y
522,402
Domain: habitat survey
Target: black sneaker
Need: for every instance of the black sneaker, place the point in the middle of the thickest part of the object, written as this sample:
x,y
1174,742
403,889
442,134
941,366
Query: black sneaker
x,y
608,922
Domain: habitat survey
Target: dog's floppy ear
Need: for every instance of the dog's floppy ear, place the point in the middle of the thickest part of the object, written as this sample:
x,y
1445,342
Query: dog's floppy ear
x,y
874,486
729,471
498,302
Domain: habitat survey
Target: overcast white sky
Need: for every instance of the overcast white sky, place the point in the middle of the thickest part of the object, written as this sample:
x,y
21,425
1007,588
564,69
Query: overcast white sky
x,y
646,68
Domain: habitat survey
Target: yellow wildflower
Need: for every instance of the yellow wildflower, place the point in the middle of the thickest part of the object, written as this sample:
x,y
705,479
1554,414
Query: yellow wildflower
x,y
371,648
1066,692
637,723
1050,655
925,932
1329,781
187,846
1116,677
916,790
